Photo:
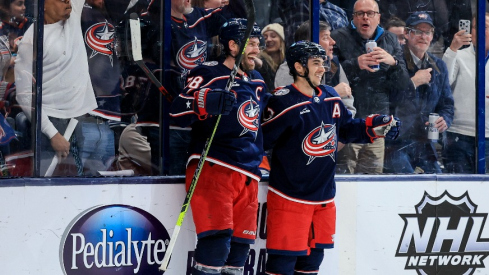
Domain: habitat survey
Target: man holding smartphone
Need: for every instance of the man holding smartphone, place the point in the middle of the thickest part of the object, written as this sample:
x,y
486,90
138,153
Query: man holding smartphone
x,y
459,152
428,93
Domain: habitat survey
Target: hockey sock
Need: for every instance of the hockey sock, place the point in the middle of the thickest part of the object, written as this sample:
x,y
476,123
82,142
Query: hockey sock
x,y
310,263
280,264
213,250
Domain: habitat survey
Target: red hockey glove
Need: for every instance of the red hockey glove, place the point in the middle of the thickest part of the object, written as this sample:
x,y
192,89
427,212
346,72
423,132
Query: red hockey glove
x,y
213,102
379,126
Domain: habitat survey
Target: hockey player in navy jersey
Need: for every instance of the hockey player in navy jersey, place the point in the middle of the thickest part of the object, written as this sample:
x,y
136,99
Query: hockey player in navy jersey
x,y
306,120
225,203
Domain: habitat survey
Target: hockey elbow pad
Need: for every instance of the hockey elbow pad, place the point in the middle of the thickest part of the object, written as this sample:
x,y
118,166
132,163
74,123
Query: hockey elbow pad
x,y
213,102
379,126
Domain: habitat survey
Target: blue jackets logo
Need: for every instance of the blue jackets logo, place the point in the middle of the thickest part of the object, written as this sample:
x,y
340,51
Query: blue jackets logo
x,y
444,236
320,142
113,239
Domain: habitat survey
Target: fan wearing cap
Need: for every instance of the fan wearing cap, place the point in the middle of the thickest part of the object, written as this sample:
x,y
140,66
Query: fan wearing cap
x,y
428,93
273,55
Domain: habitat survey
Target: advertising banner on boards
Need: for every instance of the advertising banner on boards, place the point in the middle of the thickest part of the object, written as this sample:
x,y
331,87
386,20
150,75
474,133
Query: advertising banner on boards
x,y
383,227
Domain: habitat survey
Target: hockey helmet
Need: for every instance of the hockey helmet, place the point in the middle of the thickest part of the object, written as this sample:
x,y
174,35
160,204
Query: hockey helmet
x,y
235,29
301,52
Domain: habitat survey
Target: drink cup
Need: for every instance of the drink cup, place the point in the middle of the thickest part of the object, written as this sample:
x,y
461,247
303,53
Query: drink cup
x,y
432,130
369,46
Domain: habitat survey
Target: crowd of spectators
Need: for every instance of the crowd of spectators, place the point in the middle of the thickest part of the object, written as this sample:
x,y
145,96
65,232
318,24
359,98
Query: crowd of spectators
x,y
424,63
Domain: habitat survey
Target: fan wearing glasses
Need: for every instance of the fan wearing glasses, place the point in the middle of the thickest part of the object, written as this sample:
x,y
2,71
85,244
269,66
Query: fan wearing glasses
x,y
370,88
429,93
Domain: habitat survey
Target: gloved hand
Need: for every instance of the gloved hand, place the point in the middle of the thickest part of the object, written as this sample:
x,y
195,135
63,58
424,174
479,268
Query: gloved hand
x,y
213,102
379,126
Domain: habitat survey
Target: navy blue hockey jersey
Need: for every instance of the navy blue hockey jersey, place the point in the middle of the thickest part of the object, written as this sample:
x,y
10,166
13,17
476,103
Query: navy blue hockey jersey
x,y
191,38
238,142
304,132
141,96
103,63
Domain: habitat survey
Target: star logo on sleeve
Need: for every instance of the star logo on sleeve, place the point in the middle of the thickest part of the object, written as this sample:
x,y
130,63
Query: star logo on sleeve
x,y
188,104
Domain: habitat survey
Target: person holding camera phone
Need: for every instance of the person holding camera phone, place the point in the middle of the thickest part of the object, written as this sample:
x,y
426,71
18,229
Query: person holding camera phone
x,y
459,151
429,93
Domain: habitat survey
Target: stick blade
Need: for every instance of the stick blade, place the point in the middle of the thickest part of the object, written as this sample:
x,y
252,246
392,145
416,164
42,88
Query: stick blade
x,y
135,37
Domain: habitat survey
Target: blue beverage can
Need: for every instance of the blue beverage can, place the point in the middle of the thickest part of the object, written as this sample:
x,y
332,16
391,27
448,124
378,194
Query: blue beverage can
x,y
369,46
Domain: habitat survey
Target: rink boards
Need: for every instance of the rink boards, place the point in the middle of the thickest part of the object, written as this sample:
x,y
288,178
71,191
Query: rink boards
x,y
385,225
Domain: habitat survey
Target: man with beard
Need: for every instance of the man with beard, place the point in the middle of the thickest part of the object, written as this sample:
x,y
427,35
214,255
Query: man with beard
x,y
369,87
428,93
225,203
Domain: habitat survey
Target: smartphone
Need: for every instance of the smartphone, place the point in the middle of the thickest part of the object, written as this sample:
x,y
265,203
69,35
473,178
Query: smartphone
x,y
464,25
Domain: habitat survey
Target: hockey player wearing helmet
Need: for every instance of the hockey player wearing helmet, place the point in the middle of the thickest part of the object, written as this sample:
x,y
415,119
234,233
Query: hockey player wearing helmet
x,y
225,203
307,120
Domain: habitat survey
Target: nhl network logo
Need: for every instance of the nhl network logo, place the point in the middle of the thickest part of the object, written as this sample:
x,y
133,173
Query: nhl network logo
x,y
444,236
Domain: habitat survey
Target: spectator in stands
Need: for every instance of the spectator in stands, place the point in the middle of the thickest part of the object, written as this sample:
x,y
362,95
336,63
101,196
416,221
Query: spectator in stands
x,y
12,27
369,87
428,93
396,26
445,14
459,151
66,89
273,55
335,77
139,147
295,12
98,135
192,30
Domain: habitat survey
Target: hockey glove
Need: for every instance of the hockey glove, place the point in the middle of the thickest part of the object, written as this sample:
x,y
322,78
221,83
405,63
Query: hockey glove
x,y
379,126
213,102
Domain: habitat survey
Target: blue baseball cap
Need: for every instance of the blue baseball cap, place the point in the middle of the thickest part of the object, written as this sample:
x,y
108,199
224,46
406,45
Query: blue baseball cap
x,y
419,17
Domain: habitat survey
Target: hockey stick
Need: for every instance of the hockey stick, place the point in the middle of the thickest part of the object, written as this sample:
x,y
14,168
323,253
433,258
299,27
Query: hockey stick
x,y
250,11
137,55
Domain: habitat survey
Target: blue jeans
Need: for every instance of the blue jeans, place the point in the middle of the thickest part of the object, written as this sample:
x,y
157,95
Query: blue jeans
x,y
95,141
459,154
405,156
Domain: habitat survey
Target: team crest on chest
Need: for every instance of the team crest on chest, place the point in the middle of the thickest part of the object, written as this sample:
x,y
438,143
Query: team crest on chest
x,y
192,54
320,142
100,39
248,116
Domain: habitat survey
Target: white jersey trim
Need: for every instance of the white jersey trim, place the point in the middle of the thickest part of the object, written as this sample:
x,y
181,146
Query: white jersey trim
x,y
297,200
218,162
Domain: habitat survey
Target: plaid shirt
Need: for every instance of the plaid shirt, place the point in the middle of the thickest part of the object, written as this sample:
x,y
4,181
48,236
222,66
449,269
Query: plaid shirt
x,y
295,12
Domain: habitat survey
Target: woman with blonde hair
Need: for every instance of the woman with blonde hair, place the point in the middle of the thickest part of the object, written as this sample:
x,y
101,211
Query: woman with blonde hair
x,y
273,54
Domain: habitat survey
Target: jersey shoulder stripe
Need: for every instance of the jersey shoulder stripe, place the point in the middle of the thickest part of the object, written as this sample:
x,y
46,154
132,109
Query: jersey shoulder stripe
x,y
204,17
283,112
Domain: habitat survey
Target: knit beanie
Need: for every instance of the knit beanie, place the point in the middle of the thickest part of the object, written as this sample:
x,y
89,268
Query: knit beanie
x,y
276,27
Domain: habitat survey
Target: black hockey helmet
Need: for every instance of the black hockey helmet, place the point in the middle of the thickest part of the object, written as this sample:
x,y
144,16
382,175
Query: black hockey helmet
x,y
234,29
301,52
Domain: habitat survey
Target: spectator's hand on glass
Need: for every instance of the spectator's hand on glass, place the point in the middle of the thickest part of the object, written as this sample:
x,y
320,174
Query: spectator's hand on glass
x,y
460,39
343,90
440,124
366,60
422,77
60,145
383,57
